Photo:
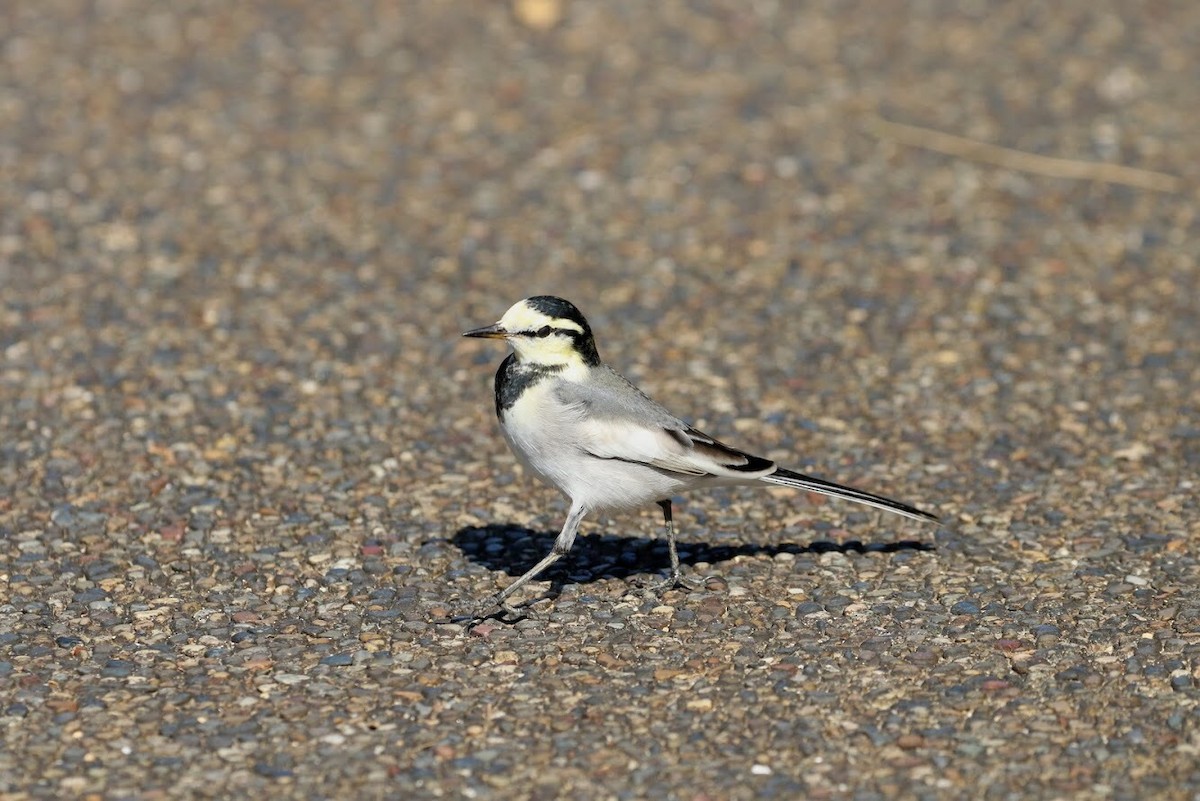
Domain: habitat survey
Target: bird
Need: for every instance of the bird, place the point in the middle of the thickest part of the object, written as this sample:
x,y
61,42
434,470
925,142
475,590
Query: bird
x,y
584,429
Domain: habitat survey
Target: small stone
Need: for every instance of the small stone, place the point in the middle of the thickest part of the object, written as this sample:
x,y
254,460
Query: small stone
x,y
540,15
271,771
117,668
289,678
90,596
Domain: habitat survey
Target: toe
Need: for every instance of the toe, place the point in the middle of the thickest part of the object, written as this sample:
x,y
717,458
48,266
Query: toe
x,y
676,581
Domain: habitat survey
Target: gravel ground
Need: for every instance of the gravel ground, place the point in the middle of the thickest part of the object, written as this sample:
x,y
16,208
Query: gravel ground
x,y
248,469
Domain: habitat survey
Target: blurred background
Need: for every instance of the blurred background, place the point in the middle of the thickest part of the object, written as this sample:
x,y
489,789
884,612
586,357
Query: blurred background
x,y
207,200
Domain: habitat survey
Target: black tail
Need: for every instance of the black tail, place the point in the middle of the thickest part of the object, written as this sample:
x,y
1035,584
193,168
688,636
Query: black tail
x,y
787,478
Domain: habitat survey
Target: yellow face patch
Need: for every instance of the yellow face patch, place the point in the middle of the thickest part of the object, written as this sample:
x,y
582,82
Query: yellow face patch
x,y
556,349
521,318
524,318
522,323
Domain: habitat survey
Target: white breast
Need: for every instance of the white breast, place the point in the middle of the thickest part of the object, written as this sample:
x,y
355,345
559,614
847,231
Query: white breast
x,y
546,436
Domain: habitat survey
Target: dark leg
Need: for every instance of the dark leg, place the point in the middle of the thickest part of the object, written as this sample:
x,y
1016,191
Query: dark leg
x,y
562,546
670,524
676,578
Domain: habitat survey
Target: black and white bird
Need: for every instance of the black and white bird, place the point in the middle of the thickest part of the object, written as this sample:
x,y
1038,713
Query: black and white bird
x,y
582,428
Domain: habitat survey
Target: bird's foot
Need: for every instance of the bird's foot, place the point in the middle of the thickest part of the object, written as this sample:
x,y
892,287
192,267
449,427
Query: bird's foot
x,y
492,609
498,608
675,581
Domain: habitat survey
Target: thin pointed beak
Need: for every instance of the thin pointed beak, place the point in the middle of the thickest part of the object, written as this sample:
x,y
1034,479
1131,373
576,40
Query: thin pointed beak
x,y
493,331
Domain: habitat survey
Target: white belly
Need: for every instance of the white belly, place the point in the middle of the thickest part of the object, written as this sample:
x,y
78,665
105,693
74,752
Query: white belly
x,y
544,436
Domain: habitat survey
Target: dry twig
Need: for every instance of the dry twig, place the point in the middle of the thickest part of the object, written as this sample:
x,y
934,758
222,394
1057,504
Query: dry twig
x,y
974,150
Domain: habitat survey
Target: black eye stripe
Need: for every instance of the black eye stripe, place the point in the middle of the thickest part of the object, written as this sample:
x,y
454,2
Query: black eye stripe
x,y
547,330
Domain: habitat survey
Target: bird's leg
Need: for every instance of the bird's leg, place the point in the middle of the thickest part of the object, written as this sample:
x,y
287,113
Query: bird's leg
x,y
562,546
501,599
665,505
676,578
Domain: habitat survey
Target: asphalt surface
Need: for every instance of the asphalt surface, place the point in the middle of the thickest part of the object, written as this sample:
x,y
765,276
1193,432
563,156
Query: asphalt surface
x,y
249,471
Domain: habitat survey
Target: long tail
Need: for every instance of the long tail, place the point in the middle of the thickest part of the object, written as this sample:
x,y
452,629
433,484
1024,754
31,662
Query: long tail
x,y
787,478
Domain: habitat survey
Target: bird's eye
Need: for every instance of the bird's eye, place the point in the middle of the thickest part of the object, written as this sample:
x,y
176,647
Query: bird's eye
x,y
544,331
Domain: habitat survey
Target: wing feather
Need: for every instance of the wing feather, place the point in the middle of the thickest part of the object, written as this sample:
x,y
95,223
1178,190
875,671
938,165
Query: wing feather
x,y
618,421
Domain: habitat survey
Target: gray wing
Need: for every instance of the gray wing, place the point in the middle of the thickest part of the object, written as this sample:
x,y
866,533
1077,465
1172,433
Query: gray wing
x,y
619,421
608,395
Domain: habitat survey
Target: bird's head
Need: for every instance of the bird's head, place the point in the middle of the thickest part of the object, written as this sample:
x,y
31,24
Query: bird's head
x,y
545,330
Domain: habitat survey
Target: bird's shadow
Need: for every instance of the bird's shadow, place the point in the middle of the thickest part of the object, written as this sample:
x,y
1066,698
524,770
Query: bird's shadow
x,y
515,549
